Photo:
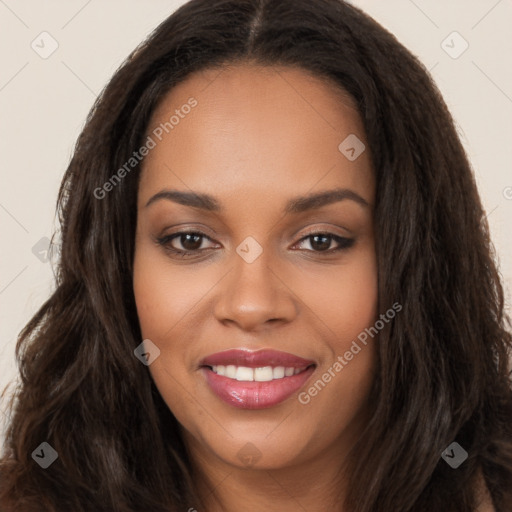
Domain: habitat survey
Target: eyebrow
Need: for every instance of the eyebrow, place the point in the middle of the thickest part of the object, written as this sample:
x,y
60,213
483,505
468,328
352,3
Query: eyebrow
x,y
296,205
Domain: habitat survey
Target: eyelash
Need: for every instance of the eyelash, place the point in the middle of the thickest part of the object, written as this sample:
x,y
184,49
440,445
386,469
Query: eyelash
x,y
165,241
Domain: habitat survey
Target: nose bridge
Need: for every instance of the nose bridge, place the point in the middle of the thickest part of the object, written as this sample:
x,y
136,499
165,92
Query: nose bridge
x,y
253,295
252,274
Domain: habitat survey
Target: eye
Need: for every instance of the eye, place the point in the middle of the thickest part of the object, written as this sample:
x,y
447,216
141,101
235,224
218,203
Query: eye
x,y
183,244
191,243
322,242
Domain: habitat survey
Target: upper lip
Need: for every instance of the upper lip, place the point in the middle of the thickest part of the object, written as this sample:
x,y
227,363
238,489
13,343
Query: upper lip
x,y
256,359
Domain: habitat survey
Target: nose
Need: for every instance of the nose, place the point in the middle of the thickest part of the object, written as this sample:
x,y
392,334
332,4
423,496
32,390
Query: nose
x,y
253,296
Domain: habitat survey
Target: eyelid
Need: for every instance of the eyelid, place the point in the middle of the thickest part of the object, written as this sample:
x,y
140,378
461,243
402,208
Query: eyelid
x,y
165,242
325,231
343,242
325,228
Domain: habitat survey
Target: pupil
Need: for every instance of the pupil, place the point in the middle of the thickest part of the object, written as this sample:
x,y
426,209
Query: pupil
x,y
190,241
323,245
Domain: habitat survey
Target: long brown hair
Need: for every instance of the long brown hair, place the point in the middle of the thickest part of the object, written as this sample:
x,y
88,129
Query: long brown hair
x,y
444,370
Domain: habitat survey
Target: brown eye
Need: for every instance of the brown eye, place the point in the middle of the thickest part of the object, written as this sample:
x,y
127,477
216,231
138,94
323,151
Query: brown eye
x,y
190,241
321,242
184,244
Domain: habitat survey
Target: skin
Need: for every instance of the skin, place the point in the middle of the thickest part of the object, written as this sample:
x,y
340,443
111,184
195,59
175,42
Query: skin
x,y
258,137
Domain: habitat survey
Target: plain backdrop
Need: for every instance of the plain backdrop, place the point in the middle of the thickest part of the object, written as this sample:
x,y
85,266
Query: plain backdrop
x,y
45,98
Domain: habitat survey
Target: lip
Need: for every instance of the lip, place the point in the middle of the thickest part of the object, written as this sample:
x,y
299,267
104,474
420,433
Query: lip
x,y
255,395
256,359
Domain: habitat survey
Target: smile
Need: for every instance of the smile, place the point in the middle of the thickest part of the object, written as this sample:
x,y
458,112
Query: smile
x,y
263,374
255,380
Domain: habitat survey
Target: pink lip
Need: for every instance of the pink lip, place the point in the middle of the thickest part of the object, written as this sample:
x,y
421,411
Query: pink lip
x,y
255,395
255,359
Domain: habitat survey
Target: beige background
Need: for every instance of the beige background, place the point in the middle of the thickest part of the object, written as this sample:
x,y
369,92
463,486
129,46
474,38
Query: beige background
x,y
44,102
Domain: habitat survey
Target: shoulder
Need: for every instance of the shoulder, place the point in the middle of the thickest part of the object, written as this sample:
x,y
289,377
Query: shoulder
x,y
482,495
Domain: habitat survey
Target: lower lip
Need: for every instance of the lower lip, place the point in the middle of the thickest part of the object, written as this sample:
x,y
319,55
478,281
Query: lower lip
x,y
255,395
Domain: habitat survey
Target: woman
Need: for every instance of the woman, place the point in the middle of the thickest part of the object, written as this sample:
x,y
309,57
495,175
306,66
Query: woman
x,y
276,289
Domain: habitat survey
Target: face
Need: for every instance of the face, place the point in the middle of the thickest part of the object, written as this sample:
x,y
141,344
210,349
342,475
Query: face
x,y
255,267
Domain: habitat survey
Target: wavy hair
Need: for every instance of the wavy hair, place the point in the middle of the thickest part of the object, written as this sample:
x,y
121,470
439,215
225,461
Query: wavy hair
x,y
444,362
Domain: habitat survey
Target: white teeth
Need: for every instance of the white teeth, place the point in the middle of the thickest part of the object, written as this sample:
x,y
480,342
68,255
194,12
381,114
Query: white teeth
x,y
278,372
230,371
263,374
244,373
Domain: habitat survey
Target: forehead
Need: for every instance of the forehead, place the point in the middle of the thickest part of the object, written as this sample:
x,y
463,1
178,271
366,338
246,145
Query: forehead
x,y
255,131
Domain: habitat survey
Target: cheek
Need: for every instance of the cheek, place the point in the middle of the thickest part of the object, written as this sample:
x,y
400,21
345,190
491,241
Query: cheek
x,y
344,299
163,296
346,304
356,306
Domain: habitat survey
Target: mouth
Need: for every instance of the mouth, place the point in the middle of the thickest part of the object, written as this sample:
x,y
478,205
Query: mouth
x,y
255,380
261,374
